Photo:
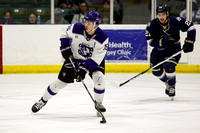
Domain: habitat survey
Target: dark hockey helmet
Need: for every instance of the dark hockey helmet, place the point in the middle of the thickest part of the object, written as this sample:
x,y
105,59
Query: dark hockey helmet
x,y
162,8
93,16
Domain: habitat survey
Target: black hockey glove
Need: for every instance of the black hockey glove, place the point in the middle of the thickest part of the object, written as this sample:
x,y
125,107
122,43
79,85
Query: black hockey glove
x,y
165,40
66,52
81,72
188,46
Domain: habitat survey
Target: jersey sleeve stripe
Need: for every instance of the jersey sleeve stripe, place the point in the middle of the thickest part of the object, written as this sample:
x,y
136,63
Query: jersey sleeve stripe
x,y
149,42
192,28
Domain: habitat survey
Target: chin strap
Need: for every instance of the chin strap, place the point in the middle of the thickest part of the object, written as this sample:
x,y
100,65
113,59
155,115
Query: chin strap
x,y
93,27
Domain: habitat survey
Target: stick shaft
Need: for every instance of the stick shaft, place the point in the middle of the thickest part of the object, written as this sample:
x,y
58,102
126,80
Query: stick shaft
x,y
81,80
87,90
150,68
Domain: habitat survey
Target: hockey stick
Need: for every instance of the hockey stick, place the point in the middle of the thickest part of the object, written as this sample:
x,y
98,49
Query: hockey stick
x,y
119,85
95,103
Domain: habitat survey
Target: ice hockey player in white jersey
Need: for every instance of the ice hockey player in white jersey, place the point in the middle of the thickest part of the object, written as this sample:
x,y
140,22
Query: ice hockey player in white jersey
x,y
87,45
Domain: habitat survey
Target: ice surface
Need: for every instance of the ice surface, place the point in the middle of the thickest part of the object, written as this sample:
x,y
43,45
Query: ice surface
x,y
140,106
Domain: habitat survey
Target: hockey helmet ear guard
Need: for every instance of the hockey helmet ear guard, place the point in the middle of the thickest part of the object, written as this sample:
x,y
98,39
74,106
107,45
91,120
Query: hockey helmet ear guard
x,y
93,16
162,8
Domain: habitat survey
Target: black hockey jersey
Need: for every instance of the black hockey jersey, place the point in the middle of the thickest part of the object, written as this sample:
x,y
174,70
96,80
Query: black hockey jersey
x,y
155,30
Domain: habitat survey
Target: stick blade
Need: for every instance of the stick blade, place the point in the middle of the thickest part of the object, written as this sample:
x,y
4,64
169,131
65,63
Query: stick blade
x,y
114,84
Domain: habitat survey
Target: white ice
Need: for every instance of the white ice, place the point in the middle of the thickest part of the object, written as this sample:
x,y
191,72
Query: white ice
x,y
140,106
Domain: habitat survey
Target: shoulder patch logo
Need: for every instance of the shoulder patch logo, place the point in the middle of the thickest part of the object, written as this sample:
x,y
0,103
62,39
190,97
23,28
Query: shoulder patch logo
x,y
178,18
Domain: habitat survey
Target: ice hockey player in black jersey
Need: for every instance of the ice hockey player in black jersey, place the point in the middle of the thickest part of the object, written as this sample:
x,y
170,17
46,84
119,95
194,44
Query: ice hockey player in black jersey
x,y
87,44
163,34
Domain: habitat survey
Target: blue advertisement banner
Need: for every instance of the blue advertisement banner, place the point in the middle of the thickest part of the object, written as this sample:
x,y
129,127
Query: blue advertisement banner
x,y
126,45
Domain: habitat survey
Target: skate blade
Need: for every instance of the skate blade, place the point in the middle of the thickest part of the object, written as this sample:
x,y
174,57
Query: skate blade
x,y
98,114
171,98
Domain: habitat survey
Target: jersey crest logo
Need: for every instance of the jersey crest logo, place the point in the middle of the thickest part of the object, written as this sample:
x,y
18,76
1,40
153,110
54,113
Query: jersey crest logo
x,y
85,50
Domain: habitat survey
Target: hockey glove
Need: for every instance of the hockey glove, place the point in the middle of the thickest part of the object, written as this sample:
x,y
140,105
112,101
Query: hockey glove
x,y
81,72
188,46
165,40
66,52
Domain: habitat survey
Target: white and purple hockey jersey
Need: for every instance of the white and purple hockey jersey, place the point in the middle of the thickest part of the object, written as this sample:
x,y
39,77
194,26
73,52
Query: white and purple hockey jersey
x,y
90,49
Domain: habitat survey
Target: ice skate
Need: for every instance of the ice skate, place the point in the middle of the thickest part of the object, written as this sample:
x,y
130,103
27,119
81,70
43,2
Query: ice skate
x,y
167,89
38,105
99,107
171,93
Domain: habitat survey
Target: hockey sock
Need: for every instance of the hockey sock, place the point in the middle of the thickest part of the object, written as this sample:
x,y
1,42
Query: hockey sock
x,y
163,77
53,89
99,95
171,79
160,73
99,86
